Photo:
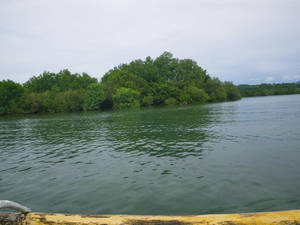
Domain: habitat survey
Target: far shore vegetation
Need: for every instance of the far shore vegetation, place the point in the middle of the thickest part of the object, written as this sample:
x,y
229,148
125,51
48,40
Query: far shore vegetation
x,y
269,89
151,82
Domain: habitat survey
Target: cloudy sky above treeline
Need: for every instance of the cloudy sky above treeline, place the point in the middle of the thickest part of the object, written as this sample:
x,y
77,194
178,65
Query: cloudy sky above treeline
x,y
244,41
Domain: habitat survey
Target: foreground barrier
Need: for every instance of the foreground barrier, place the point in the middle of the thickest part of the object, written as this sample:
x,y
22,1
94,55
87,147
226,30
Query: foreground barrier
x,y
281,217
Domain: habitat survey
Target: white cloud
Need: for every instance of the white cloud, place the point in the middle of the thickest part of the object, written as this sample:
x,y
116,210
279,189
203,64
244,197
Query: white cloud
x,y
231,39
297,77
269,79
291,77
254,79
286,78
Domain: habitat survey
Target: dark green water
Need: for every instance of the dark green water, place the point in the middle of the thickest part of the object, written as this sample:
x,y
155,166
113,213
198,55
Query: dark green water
x,y
221,158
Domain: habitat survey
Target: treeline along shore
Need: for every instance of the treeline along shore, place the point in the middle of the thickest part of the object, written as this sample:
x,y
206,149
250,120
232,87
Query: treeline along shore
x,y
269,89
164,80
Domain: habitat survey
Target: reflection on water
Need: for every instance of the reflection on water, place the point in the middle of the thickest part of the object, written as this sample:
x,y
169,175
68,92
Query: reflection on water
x,y
219,158
161,132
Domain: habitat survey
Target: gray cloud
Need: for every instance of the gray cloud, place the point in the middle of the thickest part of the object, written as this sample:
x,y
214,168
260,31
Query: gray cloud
x,y
243,41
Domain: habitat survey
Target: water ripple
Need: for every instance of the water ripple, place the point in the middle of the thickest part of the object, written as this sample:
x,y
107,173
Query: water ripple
x,y
217,158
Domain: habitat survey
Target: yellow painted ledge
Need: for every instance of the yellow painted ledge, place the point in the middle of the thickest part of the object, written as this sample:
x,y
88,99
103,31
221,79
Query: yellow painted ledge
x,y
281,217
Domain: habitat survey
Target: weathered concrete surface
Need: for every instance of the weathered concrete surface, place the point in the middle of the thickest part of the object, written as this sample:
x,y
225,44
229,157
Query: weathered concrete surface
x,y
282,217
11,218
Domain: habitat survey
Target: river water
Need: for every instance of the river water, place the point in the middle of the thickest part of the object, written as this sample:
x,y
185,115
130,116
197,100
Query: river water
x,y
228,157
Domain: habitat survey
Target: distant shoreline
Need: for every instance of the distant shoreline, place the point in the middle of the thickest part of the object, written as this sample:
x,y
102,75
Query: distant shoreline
x,y
269,89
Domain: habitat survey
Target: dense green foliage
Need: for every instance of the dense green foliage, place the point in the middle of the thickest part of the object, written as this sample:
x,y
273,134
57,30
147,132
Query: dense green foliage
x,y
11,97
126,98
50,92
167,81
162,81
93,97
269,89
61,81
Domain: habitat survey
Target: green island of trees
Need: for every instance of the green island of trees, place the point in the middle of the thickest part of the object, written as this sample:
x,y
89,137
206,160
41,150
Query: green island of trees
x,y
164,80
269,89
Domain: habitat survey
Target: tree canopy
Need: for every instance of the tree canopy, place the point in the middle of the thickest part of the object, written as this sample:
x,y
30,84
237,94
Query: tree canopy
x,y
93,97
11,97
164,80
269,89
167,80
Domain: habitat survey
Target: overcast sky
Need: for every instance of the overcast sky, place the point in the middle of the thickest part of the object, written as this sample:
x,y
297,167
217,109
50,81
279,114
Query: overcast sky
x,y
244,41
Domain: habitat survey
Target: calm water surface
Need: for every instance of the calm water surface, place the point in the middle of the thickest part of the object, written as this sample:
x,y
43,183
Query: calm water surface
x,y
220,158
